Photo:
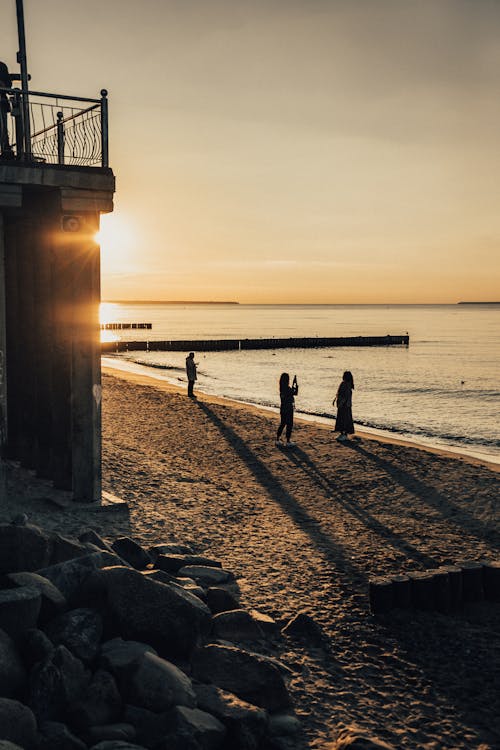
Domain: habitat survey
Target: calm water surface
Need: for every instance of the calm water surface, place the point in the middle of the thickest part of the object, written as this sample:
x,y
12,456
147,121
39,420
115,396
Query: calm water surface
x,y
442,390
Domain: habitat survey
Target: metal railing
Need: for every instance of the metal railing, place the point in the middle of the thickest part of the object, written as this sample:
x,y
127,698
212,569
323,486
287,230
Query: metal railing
x,y
62,129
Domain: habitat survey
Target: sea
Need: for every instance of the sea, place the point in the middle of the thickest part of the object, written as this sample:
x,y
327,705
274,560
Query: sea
x,y
443,390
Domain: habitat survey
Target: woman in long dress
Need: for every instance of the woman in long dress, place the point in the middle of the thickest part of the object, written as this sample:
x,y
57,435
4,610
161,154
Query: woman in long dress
x,y
344,424
287,398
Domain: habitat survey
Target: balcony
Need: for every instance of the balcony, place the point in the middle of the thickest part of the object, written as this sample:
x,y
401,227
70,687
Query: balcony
x,y
53,129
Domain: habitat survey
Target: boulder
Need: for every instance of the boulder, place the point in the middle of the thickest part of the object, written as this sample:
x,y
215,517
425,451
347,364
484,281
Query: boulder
x,y
157,685
80,630
17,723
6,745
63,548
192,728
170,549
35,646
237,625
121,731
132,552
151,728
249,676
92,537
57,736
52,601
12,673
168,617
19,609
173,563
116,745
69,576
56,683
221,600
303,627
22,548
101,703
267,624
118,655
246,724
205,575
284,725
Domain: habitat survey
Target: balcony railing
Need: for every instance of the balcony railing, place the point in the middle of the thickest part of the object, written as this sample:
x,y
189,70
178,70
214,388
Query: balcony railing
x,y
61,129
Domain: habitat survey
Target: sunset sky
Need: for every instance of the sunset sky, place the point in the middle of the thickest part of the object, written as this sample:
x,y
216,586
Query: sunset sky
x,y
284,150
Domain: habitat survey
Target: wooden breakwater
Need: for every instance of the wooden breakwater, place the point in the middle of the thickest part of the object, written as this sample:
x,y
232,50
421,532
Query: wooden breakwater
x,y
225,345
124,326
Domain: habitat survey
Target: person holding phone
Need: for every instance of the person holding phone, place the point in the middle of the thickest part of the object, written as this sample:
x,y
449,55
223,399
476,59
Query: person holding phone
x,y
287,397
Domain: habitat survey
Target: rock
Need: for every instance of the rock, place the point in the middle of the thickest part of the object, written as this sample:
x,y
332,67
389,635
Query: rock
x,y
122,731
17,723
52,601
192,728
19,609
220,600
303,627
167,617
69,576
57,736
161,576
56,683
22,548
205,575
236,625
118,655
64,548
35,646
6,745
157,685
284,725
352,738
100,704
12,673
246,724
116,745
92,537
131,552
249,676
80,630
151,728
173,563
266,623
170,549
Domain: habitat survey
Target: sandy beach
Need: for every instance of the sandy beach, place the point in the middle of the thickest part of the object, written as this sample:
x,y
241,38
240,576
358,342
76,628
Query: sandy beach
x,y
304,530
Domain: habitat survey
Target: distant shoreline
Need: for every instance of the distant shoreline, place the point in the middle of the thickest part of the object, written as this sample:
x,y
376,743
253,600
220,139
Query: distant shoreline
x,y
478,303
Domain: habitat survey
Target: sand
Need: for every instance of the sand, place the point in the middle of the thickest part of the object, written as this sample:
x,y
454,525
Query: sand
x,y
304,530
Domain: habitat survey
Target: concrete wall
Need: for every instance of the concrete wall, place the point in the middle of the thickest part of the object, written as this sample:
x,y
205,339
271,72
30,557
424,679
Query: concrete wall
x,y
50,294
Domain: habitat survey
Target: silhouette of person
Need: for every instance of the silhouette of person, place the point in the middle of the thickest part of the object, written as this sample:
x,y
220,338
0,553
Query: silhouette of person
x,y
5,83
344,424
191,373
287,394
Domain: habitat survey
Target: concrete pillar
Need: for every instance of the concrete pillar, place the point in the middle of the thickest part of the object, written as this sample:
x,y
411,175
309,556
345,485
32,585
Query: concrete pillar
x,y
3,374
13,345
26,372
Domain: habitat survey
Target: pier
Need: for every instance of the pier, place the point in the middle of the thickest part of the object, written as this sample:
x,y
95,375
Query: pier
x,y
125,326
226,345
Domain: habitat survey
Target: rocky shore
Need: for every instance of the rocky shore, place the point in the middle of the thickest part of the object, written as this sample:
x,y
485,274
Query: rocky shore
x,y
302,532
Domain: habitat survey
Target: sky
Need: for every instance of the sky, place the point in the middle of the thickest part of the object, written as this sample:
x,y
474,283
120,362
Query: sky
x,y
302,151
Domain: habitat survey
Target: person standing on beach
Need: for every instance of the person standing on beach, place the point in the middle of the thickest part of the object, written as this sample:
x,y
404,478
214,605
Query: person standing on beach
x,y
5,83
191,373
344,424
287,396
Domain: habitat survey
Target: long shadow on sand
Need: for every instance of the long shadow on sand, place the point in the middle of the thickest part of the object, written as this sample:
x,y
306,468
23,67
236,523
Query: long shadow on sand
x,y
428,495
334,552
303,461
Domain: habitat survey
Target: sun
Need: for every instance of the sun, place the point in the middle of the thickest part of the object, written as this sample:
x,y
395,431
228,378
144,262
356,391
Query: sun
x,y
117,237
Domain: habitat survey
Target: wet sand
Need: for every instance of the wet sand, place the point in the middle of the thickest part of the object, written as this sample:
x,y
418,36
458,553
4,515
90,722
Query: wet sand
x,y
304,530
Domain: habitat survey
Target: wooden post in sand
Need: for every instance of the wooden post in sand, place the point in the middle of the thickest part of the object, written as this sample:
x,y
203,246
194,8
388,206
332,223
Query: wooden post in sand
x,y
401,587
491,581
472,581
442,591
455,585
380,591
422,590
